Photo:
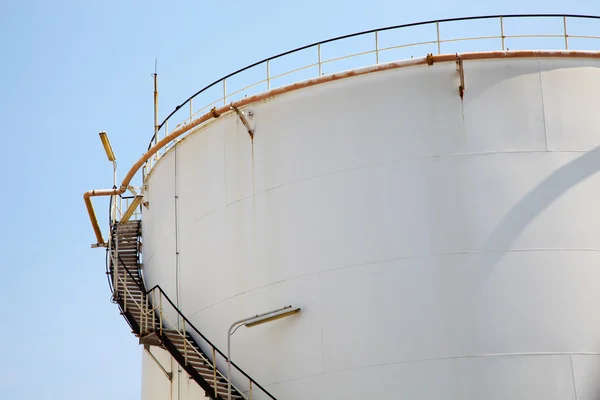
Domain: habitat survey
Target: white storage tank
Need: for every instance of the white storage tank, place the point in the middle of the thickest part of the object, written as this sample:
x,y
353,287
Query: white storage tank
x,y
436,220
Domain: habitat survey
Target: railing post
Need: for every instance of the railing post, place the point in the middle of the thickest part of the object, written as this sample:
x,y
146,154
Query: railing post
x,y
224,92
268,75
160,308
125,293
185,357
319,55
437,27
502,31
115,262
250,391
214,370
146,314
191,108
566,36
376,47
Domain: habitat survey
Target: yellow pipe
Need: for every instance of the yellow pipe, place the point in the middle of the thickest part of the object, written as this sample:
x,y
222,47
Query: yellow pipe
x,y
90,209
134,169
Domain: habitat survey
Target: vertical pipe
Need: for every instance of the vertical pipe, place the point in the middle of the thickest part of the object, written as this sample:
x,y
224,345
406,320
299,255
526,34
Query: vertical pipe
x,y
319,55
566,36
229,364
437,27
502,32
268,75
376,47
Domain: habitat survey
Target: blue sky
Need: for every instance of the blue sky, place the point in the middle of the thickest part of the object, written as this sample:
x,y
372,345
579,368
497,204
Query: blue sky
x,y
72,68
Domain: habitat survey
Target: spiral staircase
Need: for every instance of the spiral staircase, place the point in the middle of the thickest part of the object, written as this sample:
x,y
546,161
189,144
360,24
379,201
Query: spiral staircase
x,y
156,321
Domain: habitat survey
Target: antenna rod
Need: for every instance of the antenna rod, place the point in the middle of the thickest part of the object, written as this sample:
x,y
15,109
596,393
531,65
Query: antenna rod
x,y
155,75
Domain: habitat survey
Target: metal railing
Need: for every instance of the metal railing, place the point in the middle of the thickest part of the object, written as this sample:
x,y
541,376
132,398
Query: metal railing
x,y
557,32
162,306
160,314
121,205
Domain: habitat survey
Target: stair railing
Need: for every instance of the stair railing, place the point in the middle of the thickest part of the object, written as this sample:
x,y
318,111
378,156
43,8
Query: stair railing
x,y
165,322
154,318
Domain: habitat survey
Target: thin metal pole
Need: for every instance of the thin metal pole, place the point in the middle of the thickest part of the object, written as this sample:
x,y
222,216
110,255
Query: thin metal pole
x,y
319,55
114,204
125,287
185,343
376,47
437,27
191,108
228,364
268,75
566,36
155,75
214,370
224,92
145,316
161,311
114,174
502,31
115,262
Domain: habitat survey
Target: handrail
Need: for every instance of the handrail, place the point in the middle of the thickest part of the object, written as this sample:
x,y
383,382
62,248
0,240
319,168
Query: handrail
x,y
188,322
338,38
162,293
136,280
184,335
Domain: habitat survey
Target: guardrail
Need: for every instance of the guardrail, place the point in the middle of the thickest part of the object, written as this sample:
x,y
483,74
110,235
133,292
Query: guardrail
x,y
377,46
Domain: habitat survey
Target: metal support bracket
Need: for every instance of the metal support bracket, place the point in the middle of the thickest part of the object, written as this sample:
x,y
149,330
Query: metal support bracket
x,y
169,375
429,59
461,72
242,117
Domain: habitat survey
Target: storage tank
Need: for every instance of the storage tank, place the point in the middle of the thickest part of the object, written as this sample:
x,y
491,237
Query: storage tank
x,y
421,228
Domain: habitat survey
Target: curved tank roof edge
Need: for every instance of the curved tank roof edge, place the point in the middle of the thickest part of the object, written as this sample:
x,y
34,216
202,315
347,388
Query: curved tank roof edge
x,y
207,118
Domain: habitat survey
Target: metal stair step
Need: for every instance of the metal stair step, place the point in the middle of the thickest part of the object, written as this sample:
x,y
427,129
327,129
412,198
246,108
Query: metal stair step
x,y
133,299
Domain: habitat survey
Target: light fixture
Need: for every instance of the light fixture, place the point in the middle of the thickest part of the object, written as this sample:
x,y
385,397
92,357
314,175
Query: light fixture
x,y
131,209
272,317
250,322
107,146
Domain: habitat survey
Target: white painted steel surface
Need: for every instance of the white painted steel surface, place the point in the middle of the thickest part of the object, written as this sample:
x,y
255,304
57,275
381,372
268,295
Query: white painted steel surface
x,y
438,248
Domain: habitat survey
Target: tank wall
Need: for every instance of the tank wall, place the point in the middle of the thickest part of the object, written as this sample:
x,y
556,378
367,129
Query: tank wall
x,y
156,385
438,247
